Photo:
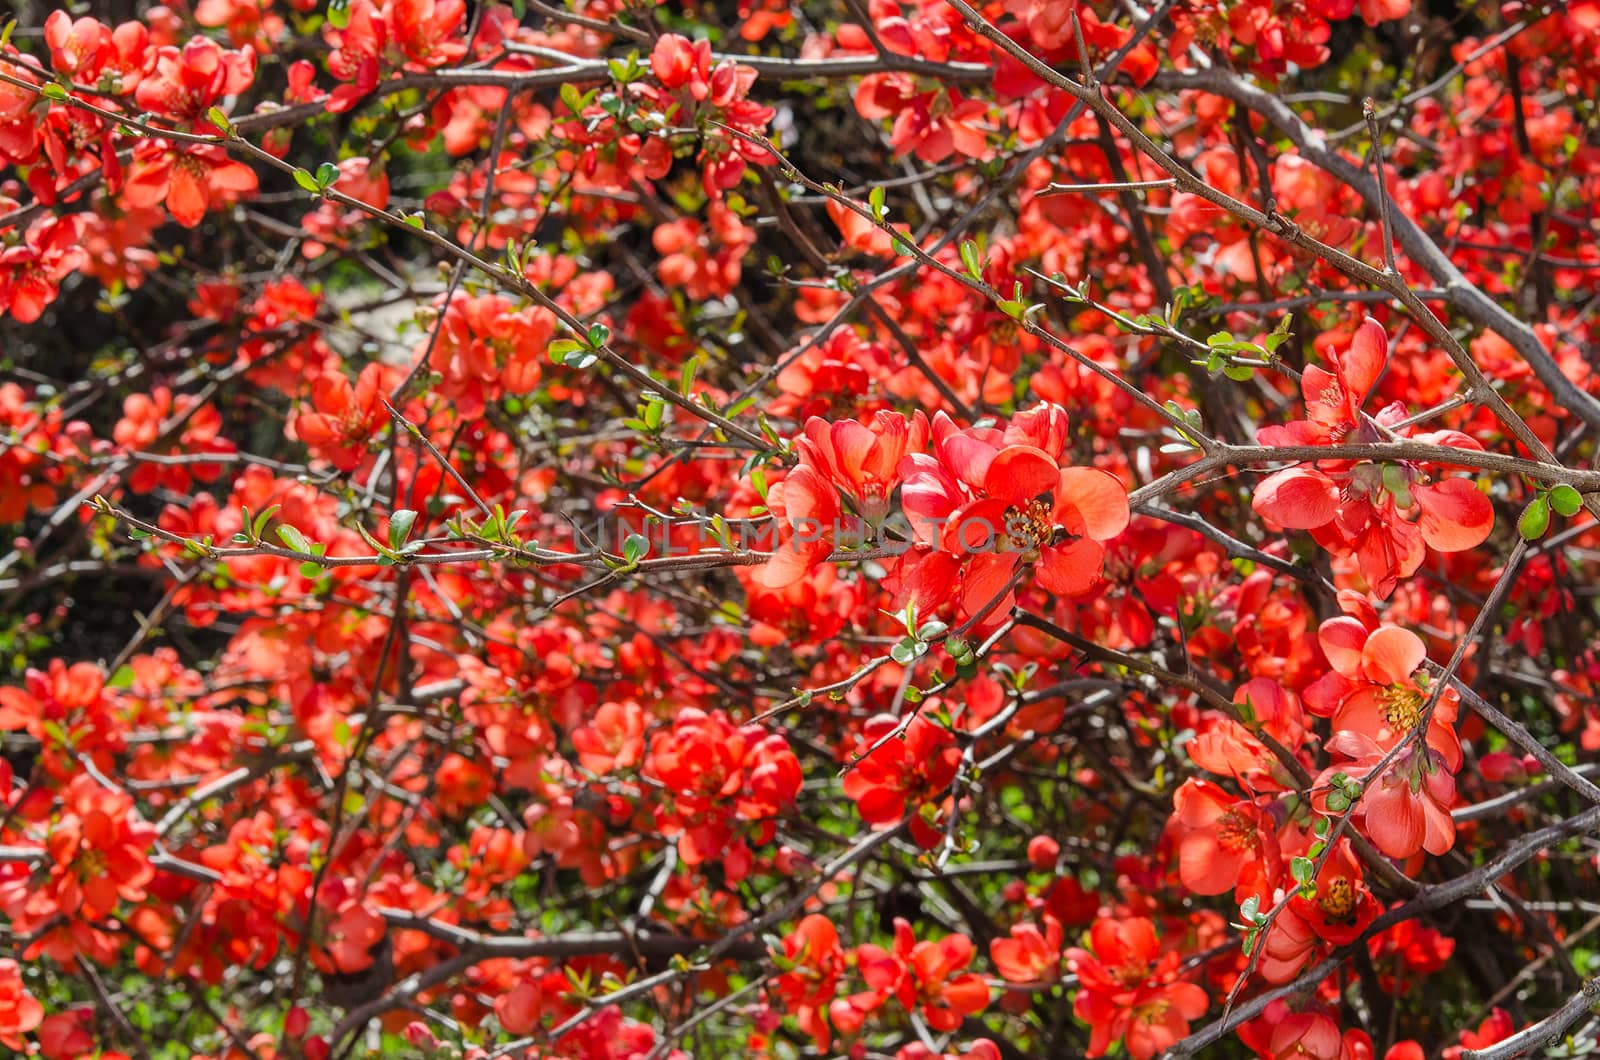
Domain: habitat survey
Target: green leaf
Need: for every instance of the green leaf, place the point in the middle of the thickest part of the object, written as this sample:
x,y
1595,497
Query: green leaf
x,y
259,525
1301,869
400,524
294,539
969,257
875,200
51,90
307,182
598,336
572,97
560,349
327,173
220,120
1565,500
634,546
1535,519
338,13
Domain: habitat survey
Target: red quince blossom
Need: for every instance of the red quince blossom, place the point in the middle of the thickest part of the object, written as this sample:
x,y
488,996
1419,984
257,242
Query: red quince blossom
x,y
88,53
998,499
98,854
1129,991
685,69
31,271
1228,748
925,977
861,458
1404,807
1224,844
716,775
1342,906
489,347
185,83
932,125
613,740
1029,955
344,417
1373,687
20,1011
815,962
1285,1031
903,775
187,179
1496,1027
1360,507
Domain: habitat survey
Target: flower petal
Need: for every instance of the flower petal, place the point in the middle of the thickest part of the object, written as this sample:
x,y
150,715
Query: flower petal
x,y
1297,498
1455,515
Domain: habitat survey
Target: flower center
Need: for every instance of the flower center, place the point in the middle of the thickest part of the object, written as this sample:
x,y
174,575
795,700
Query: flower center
x,y
1152,1011
1338,899
1236,832
1402,706
1030,526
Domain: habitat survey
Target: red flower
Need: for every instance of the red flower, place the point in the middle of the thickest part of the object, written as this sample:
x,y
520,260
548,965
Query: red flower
x,y
344,417
1359,506
1029,955
32,270
1129,991
1001,499
187,179
187,83
926,976
1373,687
20,1011
903,773
1224,844
1496,1027
1403,810
814,962
861,459
1342,906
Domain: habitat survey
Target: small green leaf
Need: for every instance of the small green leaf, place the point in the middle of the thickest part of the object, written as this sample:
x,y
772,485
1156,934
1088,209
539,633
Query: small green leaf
x,y
338,13
634,546
307,182
1535,519
875,200
1566,500
220,120
400,524
572,97
969,258
327,173
560,349
1301,869
51,90
598,336
294,539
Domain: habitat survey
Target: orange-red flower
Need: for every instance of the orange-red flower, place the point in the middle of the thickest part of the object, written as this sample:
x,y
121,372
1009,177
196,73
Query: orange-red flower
x,y
1373,687
926,976
1224,843
20,1011
814,961
1404,807
1129,990
1362,507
